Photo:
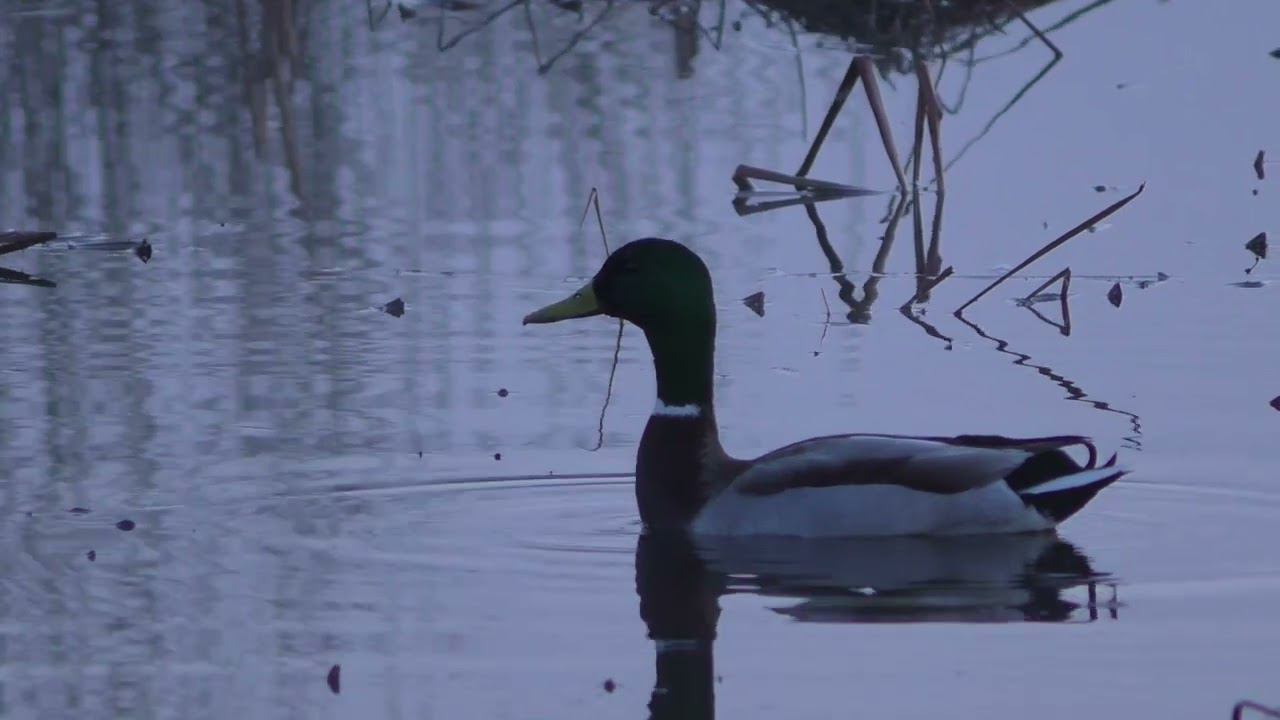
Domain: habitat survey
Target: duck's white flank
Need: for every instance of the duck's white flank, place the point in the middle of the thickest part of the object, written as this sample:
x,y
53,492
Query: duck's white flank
x,y
662,409
869,510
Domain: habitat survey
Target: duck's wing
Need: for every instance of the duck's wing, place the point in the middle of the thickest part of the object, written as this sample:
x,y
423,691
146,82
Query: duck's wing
x,y
940,465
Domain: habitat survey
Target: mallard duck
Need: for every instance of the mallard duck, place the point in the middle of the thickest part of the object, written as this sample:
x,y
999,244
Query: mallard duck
x,y
841,485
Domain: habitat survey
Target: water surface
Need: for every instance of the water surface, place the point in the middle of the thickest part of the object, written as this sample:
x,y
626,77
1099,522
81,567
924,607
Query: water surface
x,y
316,482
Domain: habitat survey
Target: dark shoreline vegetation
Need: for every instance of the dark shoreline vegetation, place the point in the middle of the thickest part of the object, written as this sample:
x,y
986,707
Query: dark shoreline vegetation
x,y
349,206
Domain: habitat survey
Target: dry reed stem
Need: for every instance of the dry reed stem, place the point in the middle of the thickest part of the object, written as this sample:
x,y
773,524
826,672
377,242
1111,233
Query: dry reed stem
x,y
1059,241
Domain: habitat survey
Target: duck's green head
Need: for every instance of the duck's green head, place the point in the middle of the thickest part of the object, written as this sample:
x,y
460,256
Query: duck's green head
x,y
652,283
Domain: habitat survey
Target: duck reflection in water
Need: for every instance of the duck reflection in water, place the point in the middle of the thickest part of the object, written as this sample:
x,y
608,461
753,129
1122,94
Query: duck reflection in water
x,y
980,579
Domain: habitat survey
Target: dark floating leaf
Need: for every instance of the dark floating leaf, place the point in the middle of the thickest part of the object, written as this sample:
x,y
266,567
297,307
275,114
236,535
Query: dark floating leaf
x,y
497,456
1115,295
1276,53
1255,192
126,525
78,510
610,685
143,251
755,302
1260,158
502,392
91,555
1275,402
1249,284
395,308
406,12
1099,188
334,678
1258,245
737,26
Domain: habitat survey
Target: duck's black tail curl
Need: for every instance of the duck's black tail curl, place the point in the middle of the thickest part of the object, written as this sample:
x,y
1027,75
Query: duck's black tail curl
x,y
1060,495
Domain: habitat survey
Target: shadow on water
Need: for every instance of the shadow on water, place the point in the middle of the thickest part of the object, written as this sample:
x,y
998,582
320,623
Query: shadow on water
x,y
1005,579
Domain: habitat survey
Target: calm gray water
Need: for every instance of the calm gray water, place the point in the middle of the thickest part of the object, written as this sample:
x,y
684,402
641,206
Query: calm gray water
x,y
315,482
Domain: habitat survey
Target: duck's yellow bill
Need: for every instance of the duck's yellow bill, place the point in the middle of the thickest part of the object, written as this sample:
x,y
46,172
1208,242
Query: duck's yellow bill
x,y
580,304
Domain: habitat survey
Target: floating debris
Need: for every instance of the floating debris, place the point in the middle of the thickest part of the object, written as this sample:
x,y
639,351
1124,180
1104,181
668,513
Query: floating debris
x,y
395,308
91,555
1249,284
78,510
1160,277
1258,160
502,392
1275,402
15,277
334,678
1087,224
13,241
1258,245
126,525
406,12
755,302
610,685
1115,295
143,251
1099,188
1037,295
1237,712
497,456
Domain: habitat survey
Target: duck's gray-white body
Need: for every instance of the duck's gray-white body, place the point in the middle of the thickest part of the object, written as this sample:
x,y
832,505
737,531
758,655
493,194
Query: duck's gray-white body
x,y
874,485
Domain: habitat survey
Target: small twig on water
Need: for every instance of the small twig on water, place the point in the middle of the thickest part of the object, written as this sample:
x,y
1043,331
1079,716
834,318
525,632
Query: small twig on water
x,y
826,323
932,113
1064,309
867,71
545,67
1064,276
1237,712
842,94
593,200
15,277
443,45
19,240
928,288
744,174
1043,38
744,208
608,392
1060,240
